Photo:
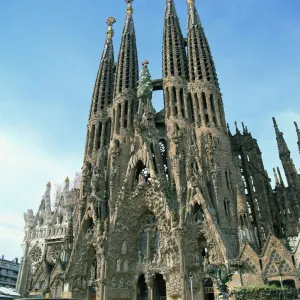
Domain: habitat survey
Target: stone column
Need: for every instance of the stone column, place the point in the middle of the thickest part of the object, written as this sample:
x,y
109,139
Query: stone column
x,y
150,285
182,266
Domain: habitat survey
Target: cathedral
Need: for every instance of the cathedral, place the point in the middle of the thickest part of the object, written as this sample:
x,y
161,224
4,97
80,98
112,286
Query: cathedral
x,y
163,195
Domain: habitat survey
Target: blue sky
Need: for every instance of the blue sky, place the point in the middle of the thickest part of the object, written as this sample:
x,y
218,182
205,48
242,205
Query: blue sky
x,y
49,56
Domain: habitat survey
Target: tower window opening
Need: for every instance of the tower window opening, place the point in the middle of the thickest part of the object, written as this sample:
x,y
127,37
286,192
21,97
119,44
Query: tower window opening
x,y
227,208
174,101
99,135
167,102
125,114
191,108
206,120
227,180
182,102
204,101
215,121
118,119
92,140
212,104
107,132
197,109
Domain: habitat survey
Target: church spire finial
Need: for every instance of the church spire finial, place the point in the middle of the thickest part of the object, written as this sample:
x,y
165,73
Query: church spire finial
x,y
129,10
110,32
298,135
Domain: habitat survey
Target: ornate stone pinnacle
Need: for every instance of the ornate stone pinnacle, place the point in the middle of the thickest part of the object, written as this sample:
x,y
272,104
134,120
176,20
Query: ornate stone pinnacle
x,y
129,10
48,184
190,2
67,179
110,32
145,62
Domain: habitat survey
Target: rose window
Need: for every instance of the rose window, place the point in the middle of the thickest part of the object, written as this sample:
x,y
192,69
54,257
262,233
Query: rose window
x,y
36,255
55,253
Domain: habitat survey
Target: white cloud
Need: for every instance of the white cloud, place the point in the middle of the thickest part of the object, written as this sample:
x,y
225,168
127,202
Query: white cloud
x,y
26,168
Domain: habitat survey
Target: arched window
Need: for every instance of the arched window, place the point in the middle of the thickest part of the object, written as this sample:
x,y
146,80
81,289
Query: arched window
x,y
182,102
107,132
167,102
191,108
212,104
91,147
99,135
125,114
197,109
204,101
118,118
174,101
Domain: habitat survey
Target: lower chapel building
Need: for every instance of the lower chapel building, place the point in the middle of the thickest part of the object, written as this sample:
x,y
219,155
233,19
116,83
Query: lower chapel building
x,y
163,194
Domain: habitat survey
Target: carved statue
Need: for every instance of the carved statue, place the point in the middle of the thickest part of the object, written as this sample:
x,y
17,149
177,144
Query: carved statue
x,y
125,265
95,180
93,272
124,248
119,261
144,91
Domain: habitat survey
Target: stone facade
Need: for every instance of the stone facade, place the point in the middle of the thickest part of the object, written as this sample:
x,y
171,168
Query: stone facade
x,y
163,194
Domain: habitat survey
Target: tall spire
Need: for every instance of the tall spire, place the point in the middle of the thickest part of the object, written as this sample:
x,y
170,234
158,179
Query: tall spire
x,y
127,66
201,64
285,157
298,135
276,177
282,146
103,89
174,56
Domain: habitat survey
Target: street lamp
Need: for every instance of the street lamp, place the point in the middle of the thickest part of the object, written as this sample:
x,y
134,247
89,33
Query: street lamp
x,y
191,282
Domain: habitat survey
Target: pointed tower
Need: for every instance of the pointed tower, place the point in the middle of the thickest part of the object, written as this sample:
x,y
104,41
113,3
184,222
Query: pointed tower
x,y
124,106
298,135
204,92
174,67
285,157
126,81
289,170
99,126
208,121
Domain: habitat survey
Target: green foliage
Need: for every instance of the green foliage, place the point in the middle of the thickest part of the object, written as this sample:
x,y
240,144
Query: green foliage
x,y
262,292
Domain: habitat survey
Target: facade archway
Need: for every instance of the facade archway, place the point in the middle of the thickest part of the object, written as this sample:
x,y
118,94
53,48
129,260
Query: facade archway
x,y
159,288
142,289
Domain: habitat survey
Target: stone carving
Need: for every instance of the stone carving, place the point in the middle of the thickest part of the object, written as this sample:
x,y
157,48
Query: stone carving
x,y
124,248
125,265
119,261
95,181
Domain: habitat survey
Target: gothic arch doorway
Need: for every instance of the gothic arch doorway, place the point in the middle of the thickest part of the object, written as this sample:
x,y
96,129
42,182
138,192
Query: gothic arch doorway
x,y
160,290
142,289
